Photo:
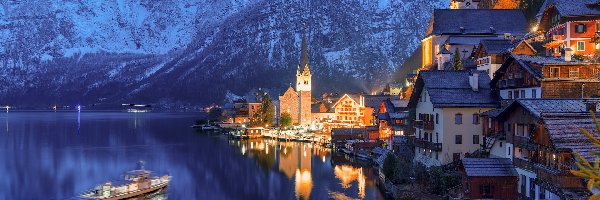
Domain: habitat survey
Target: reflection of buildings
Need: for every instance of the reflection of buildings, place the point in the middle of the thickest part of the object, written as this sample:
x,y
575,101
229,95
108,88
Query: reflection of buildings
x,y
295,159
348,174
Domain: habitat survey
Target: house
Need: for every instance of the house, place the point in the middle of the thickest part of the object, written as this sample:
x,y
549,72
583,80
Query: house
x,y
446,108
463,29
350,111
570,24
339,136
491,53
524,76
489,178
540,137
298,101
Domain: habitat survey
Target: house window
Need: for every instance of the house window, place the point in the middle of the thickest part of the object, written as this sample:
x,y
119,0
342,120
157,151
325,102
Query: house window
x,y
437,137
475,139
517,94
500,144
533,93
596,72
580,28
597,27
597,45
554,72
458,118
573,72
489,123
510,95
523,94
581,46
437,118
426,135
458,139
475,118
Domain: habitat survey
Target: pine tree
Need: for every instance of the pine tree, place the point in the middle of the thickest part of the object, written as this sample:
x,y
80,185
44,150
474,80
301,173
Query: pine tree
x,y
590,170
267,111
457,60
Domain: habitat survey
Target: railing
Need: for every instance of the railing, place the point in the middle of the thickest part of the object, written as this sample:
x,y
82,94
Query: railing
x,y
563,179
428,125
498,134
523,164
428,145
418,124
520,141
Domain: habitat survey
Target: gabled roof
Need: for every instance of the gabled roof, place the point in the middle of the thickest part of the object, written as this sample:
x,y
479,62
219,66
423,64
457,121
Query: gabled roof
x,y
533,64
489,167
374,101
452,89
353,97
496,46
477,22
538,107
565,134
571,7
398,115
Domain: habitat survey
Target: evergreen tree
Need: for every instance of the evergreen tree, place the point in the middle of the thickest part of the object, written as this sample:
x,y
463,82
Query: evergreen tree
x,y
267,111
457,60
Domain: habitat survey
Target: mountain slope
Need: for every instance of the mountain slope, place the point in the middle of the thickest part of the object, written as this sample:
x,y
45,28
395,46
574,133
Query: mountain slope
x,y
192,52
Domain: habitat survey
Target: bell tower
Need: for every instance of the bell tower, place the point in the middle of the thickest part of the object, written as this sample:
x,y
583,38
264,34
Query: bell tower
x,y
303,76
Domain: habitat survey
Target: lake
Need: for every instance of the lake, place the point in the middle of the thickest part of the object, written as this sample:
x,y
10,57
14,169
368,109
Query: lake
x,y
58,155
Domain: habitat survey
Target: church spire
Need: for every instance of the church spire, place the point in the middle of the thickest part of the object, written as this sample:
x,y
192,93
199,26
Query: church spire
x,y
304,55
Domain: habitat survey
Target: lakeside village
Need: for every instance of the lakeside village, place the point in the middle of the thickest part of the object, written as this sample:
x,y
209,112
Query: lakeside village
x,y
495,110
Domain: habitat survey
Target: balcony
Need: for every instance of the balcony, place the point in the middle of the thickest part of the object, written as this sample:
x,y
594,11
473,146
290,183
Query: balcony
x,y
418,124
520,141
498,134
422,143
428,125
562,179
515,82
523,164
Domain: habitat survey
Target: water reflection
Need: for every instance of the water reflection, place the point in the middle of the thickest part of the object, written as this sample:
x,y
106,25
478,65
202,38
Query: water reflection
x,y
41,153
309,167
348,174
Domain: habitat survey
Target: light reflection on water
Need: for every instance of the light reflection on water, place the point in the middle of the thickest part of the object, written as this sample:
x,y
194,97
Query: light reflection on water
x,y
296,160
58,155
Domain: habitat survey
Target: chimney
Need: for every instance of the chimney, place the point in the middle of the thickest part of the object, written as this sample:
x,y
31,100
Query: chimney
x,y
568,54
474,81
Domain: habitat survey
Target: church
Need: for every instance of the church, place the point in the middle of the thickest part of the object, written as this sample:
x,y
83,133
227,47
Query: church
x,y
298,101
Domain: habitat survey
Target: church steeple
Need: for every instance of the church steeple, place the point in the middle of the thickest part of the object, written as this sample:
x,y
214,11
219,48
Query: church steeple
x,y
304,56
303,76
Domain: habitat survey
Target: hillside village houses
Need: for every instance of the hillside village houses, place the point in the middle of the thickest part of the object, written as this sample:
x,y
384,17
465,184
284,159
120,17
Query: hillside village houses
x,y
512,107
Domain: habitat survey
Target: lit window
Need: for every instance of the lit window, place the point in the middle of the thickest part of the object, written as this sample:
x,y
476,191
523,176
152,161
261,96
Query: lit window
x,y
597,45
573,72
581,46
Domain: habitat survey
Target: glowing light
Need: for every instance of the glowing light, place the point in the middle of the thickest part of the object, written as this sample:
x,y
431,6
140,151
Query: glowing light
x,y
251,145
303,184
348,174
243,149
323,159
78,108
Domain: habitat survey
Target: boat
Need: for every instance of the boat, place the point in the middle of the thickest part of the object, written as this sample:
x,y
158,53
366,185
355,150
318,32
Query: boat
x,y
137,183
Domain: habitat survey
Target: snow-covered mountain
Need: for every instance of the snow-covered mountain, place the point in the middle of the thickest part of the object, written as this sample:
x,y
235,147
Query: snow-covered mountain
x,y
194,51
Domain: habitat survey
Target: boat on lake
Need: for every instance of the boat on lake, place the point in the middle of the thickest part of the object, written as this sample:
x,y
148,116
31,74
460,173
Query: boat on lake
x,y
137,183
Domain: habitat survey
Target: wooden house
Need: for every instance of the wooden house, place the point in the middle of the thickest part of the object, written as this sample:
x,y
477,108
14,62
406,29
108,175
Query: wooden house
x,y
488,178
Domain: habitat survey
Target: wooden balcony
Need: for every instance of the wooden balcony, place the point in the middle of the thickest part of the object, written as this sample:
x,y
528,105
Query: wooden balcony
x,y
523,164
498,134
418,124
560,178
428,125
520,141
422,143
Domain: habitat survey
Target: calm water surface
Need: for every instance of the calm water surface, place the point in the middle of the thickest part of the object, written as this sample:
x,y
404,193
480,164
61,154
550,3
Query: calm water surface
x,y
48,155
